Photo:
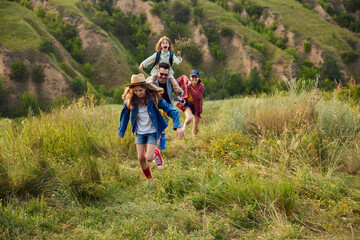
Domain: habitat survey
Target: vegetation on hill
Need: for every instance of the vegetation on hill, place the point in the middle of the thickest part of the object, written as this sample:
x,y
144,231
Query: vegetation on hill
x,y
284,166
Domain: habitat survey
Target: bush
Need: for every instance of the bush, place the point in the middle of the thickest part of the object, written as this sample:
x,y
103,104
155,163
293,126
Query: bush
x,y
159,8
60,101
180,12
18,71
46,46
254,81
292,52
2,90
307,46
87,68
237,7
193,55
349,57
176,28
330,69
308,71
226,32
37,74
235,84
78,86
40,12
257,46
29,105
118,95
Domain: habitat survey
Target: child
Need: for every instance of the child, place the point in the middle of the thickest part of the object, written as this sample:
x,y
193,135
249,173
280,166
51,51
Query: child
x,y
163,54
193,95
146,120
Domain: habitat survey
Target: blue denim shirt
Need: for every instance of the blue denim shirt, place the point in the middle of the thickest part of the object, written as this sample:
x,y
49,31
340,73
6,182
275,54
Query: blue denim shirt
x,y
156,118
169,89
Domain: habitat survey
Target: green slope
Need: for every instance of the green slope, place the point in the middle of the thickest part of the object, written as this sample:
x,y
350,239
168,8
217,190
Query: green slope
x,y
308,23
19,27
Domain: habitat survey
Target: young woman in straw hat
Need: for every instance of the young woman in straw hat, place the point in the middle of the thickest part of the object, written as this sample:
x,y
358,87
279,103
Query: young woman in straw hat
x,y
146,120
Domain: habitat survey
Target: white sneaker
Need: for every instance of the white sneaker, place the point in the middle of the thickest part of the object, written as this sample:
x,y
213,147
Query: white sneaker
x,y
158,158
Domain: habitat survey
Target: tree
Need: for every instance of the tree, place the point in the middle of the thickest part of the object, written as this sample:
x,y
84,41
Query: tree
x,y
330,68
254,81
234,84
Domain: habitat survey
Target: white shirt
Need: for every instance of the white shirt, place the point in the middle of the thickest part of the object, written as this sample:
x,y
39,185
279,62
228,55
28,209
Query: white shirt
x,y
143,121
164,58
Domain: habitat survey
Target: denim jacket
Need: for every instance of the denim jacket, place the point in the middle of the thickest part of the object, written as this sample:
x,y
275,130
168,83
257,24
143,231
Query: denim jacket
x,y
169,89
156,118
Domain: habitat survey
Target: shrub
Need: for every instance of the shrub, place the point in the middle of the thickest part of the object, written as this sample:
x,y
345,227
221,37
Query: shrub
x,y
176,28
118,95
18,71
46,46
159,8
237,7
40,12
37,74
87,68
307,46
234,84
29,105
26,4
193,55
78,86
308,71
349,57
257,46
330,69
2,90
292,52
60,101
254,81
226,32
180,12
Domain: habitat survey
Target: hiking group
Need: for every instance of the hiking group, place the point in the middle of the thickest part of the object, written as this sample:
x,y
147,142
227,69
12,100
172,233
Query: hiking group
x,y
148,104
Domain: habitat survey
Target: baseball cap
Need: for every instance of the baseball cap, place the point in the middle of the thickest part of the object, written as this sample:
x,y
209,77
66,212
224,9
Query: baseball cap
x,y
195,72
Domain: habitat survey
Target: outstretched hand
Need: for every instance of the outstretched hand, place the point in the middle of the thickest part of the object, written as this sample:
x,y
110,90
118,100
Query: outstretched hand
x,y
141,67
180,133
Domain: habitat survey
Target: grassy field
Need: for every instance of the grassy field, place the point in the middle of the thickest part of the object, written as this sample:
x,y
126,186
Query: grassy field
x,y
284,166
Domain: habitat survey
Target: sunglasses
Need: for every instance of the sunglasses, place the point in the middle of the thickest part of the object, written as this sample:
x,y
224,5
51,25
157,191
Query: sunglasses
x,y
163,74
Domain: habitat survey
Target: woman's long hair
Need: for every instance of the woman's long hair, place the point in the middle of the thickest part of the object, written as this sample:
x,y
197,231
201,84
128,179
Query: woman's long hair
x,y
150,90
158,45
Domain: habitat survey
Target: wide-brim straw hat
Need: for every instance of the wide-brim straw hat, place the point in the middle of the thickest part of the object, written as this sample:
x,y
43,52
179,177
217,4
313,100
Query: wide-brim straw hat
x,y
136,80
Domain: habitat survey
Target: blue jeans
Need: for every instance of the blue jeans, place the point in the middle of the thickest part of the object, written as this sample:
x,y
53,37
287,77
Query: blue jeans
x,y
149,138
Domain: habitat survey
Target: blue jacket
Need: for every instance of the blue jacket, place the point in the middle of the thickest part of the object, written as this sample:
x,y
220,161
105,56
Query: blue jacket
x,y
169,89
156,118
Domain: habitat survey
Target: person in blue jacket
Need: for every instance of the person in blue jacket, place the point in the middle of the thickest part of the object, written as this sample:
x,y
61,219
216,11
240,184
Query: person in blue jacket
x,y
142,105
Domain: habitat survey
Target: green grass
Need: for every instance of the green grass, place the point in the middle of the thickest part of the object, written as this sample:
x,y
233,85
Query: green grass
x,y
221,17
308,23
16,32
283,166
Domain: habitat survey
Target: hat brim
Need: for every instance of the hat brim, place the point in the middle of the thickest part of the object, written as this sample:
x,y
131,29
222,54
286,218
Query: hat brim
x,y
136,84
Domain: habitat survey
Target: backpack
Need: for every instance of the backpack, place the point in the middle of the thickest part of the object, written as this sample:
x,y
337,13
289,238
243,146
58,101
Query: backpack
x,y
158,53
162,112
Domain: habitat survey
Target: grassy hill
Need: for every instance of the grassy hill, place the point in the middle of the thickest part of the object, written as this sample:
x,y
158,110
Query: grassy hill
x,y
252,45
283,167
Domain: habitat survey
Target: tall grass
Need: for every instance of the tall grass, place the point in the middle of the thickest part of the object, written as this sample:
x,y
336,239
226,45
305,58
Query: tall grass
x,y
278,167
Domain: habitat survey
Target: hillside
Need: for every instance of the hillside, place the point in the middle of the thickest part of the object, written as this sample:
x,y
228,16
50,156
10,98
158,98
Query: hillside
x,y
279,167
95,45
